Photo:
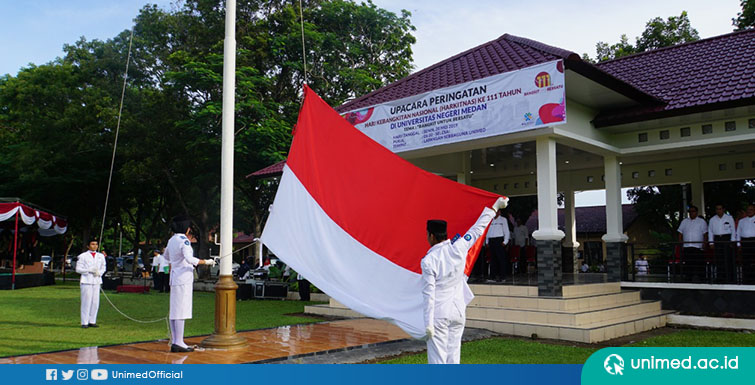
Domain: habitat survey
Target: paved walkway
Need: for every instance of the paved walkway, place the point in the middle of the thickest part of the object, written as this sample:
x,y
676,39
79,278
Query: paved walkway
x,y
268,345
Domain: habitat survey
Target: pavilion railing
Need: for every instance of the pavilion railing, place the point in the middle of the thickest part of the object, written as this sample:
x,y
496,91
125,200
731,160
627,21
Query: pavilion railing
x,y
719,262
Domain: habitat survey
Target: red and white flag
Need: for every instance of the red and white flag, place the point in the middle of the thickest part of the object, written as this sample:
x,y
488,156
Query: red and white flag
x,y
350,216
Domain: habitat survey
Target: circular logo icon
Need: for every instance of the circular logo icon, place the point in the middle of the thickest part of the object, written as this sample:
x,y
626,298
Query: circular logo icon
x,y
543,79
614,365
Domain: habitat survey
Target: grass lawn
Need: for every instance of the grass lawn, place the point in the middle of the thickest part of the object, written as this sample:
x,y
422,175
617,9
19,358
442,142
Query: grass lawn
x,y
503,350
699,338
44,319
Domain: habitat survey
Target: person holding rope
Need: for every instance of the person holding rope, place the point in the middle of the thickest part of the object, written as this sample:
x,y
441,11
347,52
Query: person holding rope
x,y
180,255
91,266
445,292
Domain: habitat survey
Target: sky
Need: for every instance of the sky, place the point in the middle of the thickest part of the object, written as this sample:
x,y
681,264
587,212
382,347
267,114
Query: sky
x,y
34,31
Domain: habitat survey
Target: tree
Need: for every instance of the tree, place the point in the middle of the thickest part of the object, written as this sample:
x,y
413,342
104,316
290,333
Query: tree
x,y
610,52
746,18
661,207
58,120
657,34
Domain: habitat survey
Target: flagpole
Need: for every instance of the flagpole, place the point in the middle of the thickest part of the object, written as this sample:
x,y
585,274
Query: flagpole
x,y
225,336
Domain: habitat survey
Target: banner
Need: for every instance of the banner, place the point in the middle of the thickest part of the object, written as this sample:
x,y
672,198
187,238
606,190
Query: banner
x,y
514,101
680,365
273,374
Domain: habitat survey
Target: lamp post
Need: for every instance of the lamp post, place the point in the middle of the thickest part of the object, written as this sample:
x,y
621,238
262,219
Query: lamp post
x,y
225,336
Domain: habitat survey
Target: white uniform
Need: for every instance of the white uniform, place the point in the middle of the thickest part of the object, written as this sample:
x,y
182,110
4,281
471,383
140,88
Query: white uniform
x,y
180,255
499,228
693,231
746,228
723,225
521,233
90,284
446,293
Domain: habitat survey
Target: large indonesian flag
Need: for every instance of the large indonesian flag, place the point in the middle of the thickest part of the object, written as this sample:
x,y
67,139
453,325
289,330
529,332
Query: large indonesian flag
x,y
350,216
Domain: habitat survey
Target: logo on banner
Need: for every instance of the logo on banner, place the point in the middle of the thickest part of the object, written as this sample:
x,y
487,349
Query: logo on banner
x,y
543,79
357,117
614,365
99,374
51,374
82,374
528,117
67,374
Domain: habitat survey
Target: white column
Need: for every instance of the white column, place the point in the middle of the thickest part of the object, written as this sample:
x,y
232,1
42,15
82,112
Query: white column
x,y
547,203
227,146
614,221
698,192
465,175
570,219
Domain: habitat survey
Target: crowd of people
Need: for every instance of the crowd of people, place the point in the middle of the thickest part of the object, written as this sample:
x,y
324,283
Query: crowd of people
x,y
731,243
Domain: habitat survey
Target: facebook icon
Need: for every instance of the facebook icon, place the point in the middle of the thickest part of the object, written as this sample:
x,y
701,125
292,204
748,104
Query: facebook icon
x,y
51,374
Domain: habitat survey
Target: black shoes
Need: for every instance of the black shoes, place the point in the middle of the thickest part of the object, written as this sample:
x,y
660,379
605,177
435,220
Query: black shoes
x,y
93,326
178,349
84,326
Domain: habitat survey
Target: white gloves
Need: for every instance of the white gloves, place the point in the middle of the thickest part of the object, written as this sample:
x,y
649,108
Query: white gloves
x,y
94,271
209,262
429,333
501,203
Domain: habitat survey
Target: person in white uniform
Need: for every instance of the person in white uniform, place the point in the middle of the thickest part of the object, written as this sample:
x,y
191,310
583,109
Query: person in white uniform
x,y
692,232
91,266
164,270
445,291
180,255
746,242
721,232
498,238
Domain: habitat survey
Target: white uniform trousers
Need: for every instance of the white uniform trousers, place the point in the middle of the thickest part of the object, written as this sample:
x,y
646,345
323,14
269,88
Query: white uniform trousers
x,y
90,303
445,346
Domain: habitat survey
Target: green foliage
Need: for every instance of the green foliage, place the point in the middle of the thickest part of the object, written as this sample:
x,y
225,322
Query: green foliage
x,y
57,121
660,206
657,34
614,51
746,18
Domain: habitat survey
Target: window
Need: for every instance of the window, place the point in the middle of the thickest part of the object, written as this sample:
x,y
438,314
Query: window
x,y
707,129
669,172
664,134
651,173
643,137
684,131
730,126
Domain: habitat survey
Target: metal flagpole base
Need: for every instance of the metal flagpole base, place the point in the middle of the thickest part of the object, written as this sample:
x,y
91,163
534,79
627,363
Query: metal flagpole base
x,y
225,336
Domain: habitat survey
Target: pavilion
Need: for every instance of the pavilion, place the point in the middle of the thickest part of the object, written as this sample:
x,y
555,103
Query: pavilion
x,y
677,115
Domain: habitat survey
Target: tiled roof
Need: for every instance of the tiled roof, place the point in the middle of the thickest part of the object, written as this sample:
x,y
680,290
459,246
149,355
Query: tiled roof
x,y
505,54
590,219
707,74
269,171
